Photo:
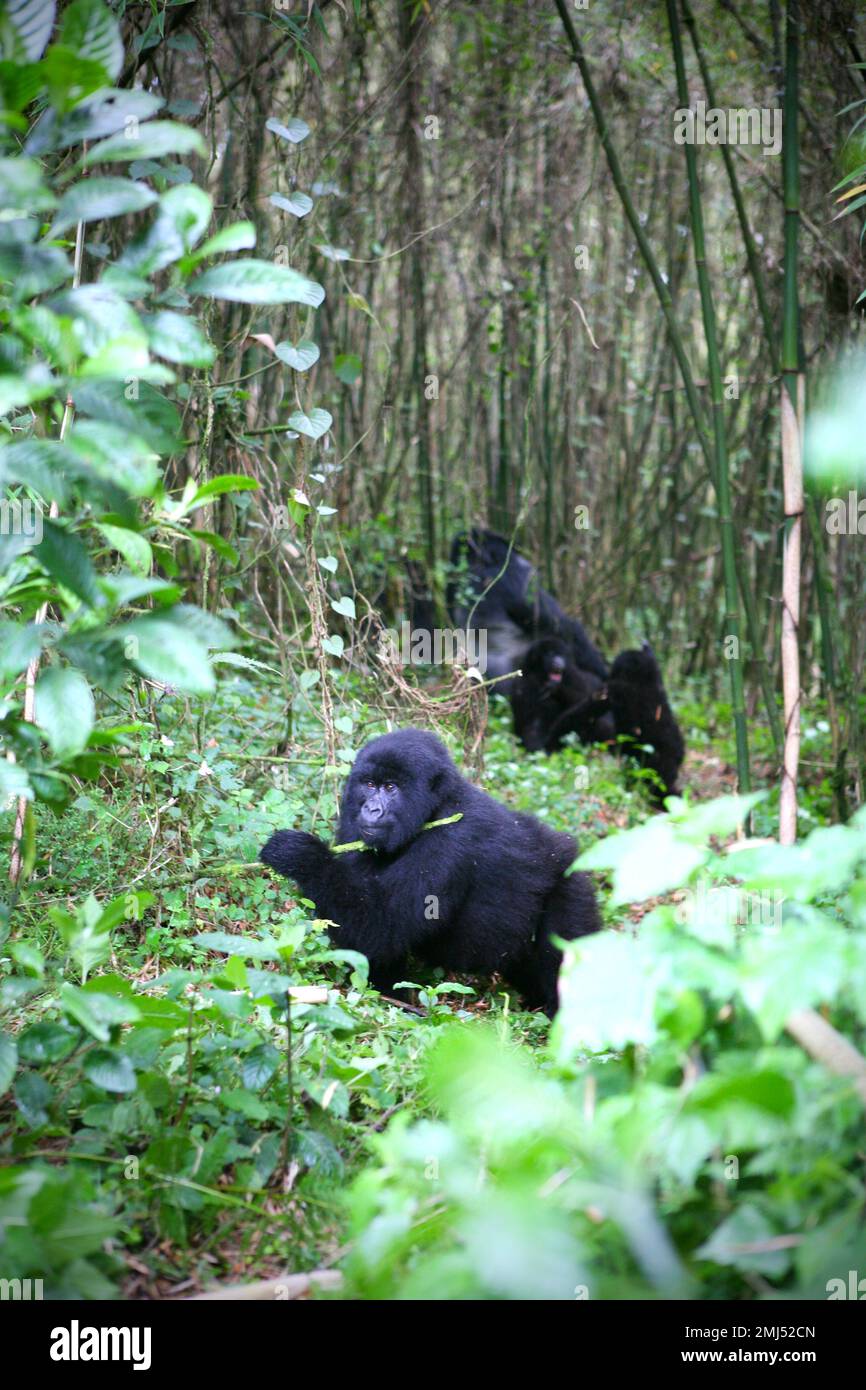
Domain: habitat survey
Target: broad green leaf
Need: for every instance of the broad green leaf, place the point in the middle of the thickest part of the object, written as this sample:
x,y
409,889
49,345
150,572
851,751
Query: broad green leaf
x,y
328,562
96,1012
313,425
646,861
226,482
151,417
607,995
92,199
47,1042
333,644
33,21
297,203
37,463
134,548
181,220
99,316
294,131
65,711
746,1240
347,367
257,282
67,561
247,947
109,1069
179,338
8,1061
115,454
90,30
344,606
167,653
104,113
154,140
19,644
240,236
23,185
14,782
301,356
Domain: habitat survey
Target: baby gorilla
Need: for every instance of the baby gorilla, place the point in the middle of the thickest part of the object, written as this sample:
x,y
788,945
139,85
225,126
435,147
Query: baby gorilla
x,y
483,894
548,699
637,700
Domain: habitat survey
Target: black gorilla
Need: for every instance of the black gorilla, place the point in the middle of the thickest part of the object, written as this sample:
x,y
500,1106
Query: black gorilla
x,y
481,895
636,698
501,593
548,699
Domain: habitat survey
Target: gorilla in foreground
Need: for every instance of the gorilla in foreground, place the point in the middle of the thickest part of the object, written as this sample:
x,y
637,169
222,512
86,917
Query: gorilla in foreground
x,y
643,718
549,697
483,894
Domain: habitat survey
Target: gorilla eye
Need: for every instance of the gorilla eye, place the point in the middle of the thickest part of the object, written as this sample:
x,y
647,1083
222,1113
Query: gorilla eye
x,y
372,786
390,786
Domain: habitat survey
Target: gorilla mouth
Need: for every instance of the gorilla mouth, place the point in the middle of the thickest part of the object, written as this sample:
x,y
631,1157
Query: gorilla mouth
x,y
555,677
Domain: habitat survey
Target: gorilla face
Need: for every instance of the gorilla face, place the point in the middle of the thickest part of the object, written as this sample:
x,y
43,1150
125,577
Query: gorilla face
x,y
389,796
547,661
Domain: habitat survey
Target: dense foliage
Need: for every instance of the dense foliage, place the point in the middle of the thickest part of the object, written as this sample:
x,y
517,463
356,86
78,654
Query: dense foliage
x,y
210,472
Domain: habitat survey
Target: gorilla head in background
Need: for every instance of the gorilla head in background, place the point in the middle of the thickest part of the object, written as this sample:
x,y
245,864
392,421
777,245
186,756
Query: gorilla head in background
x,y
548,697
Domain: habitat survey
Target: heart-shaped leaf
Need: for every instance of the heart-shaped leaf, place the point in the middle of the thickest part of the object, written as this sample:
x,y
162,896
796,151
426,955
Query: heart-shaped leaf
x,y
344,606
296,130
301,356
314,425
298,204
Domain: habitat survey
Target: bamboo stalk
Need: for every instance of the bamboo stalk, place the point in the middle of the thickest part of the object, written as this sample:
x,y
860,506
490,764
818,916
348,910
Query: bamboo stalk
x,y
792,398
722,478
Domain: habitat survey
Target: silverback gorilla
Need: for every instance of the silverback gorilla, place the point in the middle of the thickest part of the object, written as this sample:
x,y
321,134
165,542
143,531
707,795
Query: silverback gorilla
x,y
484,894
500,592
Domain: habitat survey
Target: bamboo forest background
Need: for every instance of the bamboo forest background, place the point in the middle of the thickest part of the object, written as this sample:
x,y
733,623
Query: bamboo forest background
x,y
491,343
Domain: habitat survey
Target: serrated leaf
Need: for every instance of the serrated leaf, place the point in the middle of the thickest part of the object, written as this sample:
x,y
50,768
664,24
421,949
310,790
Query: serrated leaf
x,y
257,282
313,425
301,356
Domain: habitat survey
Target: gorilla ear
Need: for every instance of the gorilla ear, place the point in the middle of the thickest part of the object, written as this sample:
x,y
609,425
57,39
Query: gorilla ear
x,y
645,647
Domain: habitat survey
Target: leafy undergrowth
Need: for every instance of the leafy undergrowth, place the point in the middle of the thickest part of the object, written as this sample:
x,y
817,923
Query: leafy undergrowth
x,y
168,1122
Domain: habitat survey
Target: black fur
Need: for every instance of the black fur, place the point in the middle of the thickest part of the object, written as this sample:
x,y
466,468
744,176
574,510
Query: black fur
x,y
547,700
642,715
500,592
482,895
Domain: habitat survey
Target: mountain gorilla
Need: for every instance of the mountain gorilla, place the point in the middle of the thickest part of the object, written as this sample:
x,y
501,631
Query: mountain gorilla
x,y
484,894
501,592
549,689
636,697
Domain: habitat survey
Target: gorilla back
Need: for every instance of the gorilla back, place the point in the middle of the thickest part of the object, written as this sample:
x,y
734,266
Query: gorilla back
x,y
482,895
